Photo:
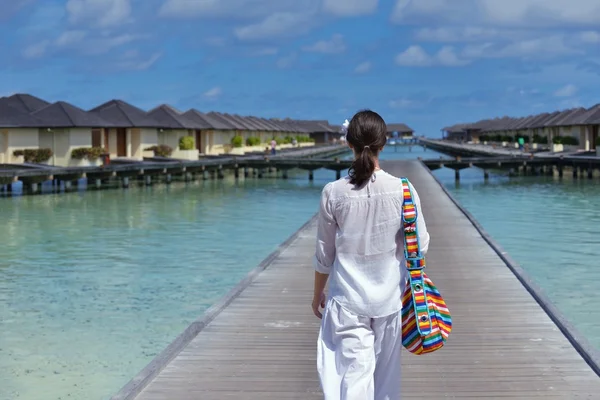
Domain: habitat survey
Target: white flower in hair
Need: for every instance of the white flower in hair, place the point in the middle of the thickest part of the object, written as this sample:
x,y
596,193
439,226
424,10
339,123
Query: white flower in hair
x,y
345,126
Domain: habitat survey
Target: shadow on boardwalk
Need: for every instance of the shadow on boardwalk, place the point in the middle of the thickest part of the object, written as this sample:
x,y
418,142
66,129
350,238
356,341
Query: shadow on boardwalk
x,y
263,344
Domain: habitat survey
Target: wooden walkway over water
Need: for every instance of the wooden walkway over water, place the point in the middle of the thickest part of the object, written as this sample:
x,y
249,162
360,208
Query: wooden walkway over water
x,y
503,345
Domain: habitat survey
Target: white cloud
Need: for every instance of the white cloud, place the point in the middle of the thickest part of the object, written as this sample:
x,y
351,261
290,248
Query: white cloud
x,y
100,13
79,41
335,45
70,38
36,50
590,37
542,47
526,13
132,60
363,68
447,57
350,8
287,61
566,91
461,34
242,9
214,92
275,25
401,103
416,56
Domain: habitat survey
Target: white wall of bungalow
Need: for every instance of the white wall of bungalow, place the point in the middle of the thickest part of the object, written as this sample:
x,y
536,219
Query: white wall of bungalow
x,y
125,142
12,139
171,137
61,141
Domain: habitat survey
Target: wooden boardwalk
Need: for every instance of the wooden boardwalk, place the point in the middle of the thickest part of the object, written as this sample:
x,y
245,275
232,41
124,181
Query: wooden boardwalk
x,y
503,346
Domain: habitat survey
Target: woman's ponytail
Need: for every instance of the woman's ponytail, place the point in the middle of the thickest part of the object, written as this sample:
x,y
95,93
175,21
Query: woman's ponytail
x,y
363,167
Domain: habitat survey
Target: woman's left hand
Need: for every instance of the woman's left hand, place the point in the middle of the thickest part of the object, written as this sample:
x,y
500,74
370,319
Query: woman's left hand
x,y
318,301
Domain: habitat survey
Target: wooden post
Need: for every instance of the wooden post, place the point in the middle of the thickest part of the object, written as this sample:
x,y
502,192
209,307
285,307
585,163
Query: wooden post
x,y
169,178
311,175
125,181
284,173
148,180
486,174
338,174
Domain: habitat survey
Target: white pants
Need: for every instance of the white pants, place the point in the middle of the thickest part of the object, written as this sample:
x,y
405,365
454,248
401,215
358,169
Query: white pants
x,y
358,358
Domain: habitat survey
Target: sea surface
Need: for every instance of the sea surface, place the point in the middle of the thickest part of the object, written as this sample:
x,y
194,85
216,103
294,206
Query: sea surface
x,y
94,284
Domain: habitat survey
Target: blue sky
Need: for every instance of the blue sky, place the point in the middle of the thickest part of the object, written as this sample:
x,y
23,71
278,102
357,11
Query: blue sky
x,y
427,63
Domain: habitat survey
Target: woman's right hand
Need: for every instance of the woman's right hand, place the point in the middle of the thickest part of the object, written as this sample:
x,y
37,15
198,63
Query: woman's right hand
x,y
318,301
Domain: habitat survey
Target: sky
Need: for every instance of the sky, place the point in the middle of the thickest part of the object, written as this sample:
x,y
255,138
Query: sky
x,y
426,63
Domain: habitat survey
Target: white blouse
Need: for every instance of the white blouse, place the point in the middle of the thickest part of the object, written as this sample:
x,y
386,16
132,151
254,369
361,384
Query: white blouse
x,y
360,243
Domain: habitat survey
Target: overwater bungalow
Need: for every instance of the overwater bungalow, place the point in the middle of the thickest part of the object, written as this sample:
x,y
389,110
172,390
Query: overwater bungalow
x,y
403,131
572,129
69,127
19,131
173,129
126,131
223,140
266,130
133,130
48,134
584,124
65,128
319,130
206,130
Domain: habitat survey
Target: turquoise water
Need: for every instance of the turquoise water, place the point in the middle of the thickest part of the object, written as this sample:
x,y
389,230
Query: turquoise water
x,y
550,227
94,284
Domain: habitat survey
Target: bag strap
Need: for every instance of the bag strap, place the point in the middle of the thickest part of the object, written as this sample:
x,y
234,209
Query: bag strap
x,y
415,262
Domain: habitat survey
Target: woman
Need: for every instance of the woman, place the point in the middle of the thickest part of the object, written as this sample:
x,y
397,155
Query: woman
x,y
360,245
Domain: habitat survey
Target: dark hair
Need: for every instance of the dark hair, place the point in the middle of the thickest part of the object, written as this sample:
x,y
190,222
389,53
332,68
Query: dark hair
x,y
367,133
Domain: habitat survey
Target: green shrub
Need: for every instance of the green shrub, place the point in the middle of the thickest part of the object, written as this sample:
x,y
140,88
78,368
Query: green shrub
x,y
237,141
540,139
34,155
186,143
557,140
287,140
253,141
304,139
89,153
570,141
161,150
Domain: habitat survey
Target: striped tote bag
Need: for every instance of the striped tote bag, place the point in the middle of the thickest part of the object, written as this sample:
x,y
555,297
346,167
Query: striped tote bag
x,y
426,321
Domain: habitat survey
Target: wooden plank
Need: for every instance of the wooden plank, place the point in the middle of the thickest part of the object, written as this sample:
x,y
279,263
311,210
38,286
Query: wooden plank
x,y
503,344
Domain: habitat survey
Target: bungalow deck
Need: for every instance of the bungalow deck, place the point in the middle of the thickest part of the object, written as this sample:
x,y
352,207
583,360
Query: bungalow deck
x,y
260,341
